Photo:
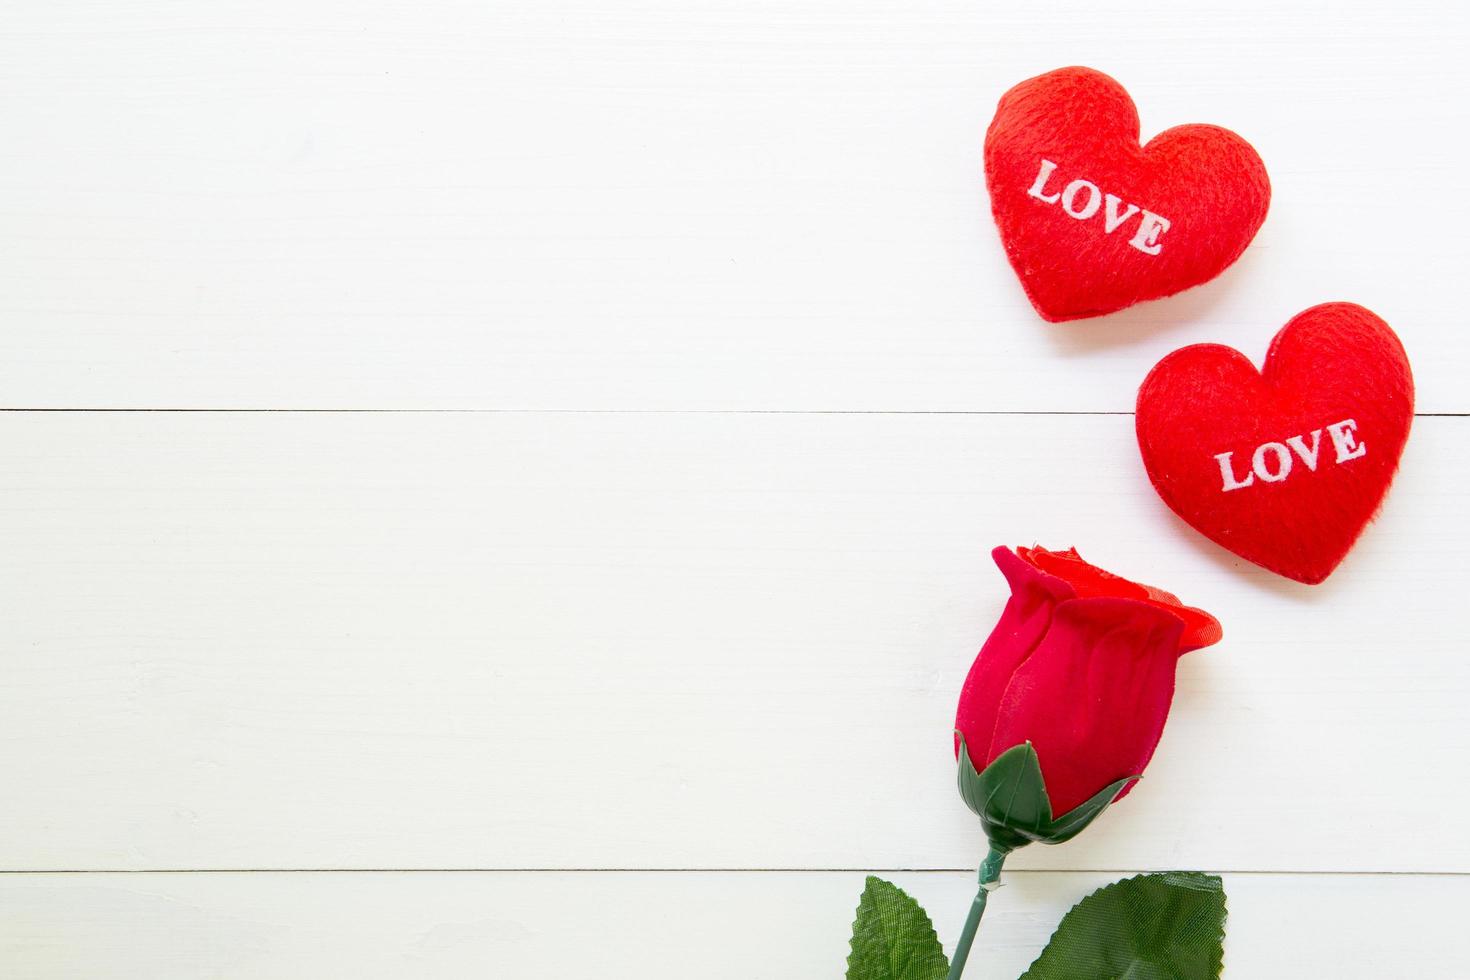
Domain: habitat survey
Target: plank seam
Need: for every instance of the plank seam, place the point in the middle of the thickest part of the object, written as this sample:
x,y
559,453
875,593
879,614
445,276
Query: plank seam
x,y
855,870
582,411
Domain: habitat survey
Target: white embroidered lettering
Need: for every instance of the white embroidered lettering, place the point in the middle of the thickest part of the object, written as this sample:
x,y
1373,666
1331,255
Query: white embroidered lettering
x,y
1228,474
1283,462
1094,199
1345,440
1111,218
1041,178
1082,199
1307,453
1149,230
1272,461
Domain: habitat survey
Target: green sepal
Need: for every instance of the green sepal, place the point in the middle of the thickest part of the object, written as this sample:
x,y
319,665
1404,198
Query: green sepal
x,y
1010,799
1151,927
1075,820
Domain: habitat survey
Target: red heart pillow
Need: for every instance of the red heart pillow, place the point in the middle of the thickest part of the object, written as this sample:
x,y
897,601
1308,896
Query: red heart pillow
x,y
1091,221
1285,466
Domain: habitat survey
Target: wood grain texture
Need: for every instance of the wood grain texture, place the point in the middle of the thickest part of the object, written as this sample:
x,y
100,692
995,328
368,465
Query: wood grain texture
x,y
670,204
592,641
777,926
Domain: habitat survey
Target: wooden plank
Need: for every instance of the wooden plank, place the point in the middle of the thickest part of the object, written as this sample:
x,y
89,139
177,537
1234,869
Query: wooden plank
x,y
670,204
690,641
776,926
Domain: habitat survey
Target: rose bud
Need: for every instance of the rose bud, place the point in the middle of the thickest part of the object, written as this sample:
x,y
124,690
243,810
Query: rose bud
x,y
1074,682
1065,704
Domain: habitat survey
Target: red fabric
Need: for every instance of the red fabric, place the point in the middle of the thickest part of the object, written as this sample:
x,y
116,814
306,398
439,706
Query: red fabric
x,y
1308,502
1207,182
1081,664
1200,628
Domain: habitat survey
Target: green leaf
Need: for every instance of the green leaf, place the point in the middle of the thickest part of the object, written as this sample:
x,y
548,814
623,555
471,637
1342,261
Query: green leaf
x,y
1010,799
1152,927
893,938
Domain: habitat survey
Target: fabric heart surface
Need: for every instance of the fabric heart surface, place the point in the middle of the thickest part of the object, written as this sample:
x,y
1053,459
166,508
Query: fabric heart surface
x,y
1091,221
1285,466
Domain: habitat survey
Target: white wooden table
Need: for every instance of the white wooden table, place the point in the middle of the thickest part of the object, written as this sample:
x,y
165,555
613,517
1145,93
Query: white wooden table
x,y
503,489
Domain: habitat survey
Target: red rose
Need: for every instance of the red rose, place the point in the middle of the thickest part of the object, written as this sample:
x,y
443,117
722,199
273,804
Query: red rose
x,y
1081,665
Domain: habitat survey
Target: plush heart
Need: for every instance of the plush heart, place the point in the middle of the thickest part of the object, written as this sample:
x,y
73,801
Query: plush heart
x,y
1091,221
1284,466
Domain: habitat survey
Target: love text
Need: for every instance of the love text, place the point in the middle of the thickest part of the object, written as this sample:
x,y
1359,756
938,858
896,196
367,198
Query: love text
x,y
1082,200
1272,461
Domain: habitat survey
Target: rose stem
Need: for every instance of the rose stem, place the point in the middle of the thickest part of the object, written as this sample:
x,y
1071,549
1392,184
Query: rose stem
x,y
989,874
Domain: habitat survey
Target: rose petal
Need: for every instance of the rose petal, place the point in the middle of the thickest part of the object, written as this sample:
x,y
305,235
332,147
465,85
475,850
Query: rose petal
x,y
1200,628
1024,621
1093,696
